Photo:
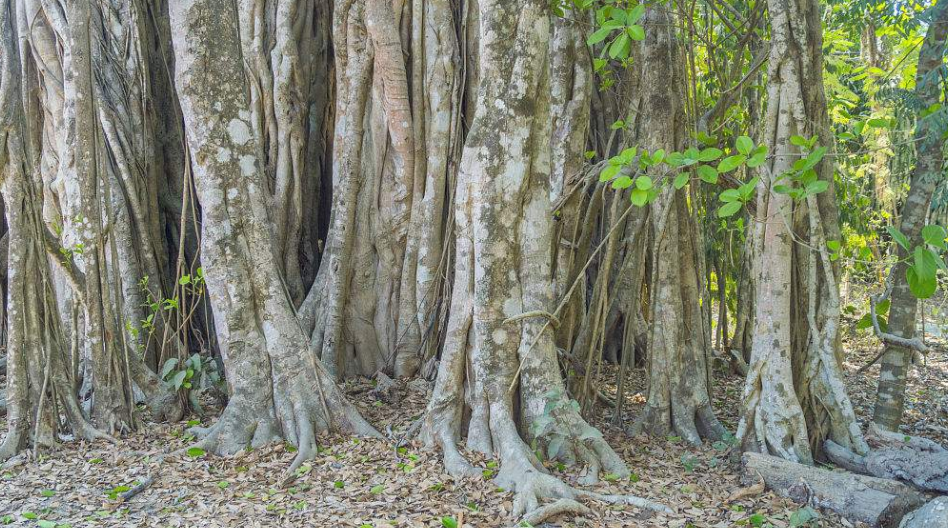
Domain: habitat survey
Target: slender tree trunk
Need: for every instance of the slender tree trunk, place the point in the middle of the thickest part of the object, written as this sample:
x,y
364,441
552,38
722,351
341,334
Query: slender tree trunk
x,y
929,136
794,396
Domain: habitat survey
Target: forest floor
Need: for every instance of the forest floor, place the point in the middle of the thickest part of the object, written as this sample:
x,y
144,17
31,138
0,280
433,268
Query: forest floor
x,y
362,483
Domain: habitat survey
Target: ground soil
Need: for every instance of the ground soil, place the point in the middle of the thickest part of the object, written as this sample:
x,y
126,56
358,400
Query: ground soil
x,y
373,483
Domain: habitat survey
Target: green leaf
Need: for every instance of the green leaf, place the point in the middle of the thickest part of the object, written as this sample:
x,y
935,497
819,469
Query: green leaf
x,y
195,452
598,36
643,183
635,14
638,197
708,174
45,524
803,516
757,160
731,162
168,367
681,180
817,187
799,141
897,235
636,32
879,123
934,235
449,522
626,156
729,209
609,172
730,195
709,154
377,490
178,379
620,47
745,145
921,288
622,182
833,245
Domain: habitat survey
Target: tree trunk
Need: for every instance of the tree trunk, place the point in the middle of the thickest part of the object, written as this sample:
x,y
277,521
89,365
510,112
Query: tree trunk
x,y
929,133
498,327
794,396
270,366
679,398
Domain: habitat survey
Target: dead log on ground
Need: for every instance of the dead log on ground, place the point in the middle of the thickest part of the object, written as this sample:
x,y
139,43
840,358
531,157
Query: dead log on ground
x,y
932,515
913,460
880,503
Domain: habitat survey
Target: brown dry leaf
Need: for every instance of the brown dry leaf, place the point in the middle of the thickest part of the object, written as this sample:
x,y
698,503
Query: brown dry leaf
x,y
749,491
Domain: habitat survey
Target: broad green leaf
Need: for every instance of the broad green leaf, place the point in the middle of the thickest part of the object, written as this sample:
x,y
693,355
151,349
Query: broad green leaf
x,y
195,452
744,145
449,522
609,172
709,154
757,160
598,36
730,195
729,209
708,174
643,182
882,307
802,517
635,14
620,47
626,156
636,32
934,235
622,182
681,180
168,367
638,197
900,238
178,379
817,187
731,162
921,288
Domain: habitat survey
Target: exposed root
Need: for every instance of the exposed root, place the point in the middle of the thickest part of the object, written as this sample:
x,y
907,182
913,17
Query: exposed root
x,y
533,487
241,425
298,419
560,507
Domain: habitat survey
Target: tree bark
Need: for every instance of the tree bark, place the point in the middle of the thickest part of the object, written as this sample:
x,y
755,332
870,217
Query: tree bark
x,y
876,502
929,133
270,366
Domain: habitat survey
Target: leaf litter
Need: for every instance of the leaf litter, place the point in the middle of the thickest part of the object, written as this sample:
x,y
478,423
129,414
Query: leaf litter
x,y
372,483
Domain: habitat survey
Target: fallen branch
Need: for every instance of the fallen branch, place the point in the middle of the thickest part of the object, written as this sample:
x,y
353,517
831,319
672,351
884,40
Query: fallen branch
x,y
880,503
128,495
913,460
885,337
934,514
